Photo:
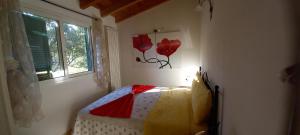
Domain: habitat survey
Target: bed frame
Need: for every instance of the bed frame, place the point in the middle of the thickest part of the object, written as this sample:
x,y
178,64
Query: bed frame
x,y
213,120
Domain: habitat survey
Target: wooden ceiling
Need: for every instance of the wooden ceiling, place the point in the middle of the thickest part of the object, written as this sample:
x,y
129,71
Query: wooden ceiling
x,y
120,9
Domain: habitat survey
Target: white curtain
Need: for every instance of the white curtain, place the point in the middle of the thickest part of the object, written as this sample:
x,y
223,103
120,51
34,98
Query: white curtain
x,y
101,57
114,58
22,81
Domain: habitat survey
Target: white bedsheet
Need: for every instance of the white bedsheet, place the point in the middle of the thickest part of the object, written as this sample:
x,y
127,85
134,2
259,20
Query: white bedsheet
x,y
87,124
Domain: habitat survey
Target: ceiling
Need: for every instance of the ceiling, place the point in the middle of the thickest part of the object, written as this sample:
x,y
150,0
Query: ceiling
x,y
120,9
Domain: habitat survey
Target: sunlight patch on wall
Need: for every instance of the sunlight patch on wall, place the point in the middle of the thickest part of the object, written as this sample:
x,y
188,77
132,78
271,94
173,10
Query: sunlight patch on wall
x,y
188,74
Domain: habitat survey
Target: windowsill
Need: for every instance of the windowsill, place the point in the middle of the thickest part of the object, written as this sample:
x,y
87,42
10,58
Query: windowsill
x,y
61,80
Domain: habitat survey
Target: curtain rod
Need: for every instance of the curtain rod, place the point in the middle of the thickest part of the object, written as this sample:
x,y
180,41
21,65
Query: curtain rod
x,y
69,9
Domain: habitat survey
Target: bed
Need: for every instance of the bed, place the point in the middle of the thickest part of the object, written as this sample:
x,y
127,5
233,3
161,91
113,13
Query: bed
x,y
159,110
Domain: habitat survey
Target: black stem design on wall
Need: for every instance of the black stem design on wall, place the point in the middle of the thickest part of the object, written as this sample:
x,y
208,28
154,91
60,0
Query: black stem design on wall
x,y
162,63
150,60
167,63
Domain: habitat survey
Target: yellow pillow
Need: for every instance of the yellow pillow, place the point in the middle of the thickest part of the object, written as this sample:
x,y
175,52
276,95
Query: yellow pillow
x,y
201,100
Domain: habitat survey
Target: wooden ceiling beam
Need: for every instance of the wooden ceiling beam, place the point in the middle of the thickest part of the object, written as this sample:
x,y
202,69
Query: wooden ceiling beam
x,y
120,9
117,6
87,3
135,9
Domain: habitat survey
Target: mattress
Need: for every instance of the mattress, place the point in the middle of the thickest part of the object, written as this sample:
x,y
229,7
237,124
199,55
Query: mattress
x,y
144,103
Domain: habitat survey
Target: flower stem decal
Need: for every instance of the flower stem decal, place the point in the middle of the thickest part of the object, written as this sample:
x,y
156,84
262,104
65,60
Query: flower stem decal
x,y
166,48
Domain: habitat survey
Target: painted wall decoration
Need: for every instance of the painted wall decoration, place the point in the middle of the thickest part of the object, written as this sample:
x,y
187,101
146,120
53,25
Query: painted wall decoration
x,y
165,47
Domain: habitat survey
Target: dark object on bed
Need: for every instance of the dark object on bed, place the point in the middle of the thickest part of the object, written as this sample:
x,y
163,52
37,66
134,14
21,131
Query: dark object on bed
x,y
213,122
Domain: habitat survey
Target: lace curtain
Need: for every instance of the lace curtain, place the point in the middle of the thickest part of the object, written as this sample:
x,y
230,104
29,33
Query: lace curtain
x,y
101,59
114,58
22,81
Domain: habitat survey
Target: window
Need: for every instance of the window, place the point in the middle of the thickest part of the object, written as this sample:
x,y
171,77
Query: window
x,y
77,48
57,50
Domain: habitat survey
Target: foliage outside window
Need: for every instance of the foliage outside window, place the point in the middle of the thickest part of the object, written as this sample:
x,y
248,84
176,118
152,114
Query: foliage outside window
x,y
54,54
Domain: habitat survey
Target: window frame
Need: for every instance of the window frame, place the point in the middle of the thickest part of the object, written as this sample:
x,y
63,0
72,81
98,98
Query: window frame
x,y
61,19
63,42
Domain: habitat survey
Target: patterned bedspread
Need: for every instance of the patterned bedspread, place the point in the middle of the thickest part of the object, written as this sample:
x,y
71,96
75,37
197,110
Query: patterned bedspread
x,y
87,124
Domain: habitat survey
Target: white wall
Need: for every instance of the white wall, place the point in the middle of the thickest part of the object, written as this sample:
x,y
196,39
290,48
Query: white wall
x,y
245,48
171,15
60,104
61,100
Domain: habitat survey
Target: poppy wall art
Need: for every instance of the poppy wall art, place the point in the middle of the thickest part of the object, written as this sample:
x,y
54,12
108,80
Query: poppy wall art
x,y
156,49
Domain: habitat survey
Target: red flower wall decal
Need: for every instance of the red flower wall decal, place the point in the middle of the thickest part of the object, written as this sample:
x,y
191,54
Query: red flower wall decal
x,y
142,43
167,47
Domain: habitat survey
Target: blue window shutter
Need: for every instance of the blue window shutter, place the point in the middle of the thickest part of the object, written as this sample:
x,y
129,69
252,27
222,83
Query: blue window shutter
x,y
38,40
88,52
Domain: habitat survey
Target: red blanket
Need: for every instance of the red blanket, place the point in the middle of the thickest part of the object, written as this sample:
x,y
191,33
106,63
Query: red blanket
x,y
121,107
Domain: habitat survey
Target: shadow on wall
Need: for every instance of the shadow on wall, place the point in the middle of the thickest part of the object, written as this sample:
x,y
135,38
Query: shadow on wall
x,y
295,130
245,46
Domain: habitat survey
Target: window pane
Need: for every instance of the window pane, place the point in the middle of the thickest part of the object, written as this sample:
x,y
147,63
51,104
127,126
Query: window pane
x,y
43,38
77,49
